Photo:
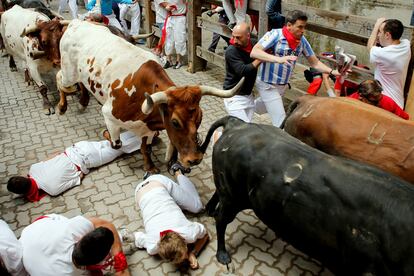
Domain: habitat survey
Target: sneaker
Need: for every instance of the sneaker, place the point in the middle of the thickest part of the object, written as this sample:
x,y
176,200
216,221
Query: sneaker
x,y
177,166
126,236
167,65
178,65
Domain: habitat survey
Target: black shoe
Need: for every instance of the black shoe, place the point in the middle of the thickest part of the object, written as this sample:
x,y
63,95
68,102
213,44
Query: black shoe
x,y
177,166
167,65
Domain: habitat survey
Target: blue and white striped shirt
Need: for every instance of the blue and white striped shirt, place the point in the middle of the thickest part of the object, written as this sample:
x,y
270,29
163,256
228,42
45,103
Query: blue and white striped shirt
x,y
277,73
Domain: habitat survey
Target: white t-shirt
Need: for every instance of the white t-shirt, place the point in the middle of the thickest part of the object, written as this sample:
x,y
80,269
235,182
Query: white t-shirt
x,y
391,68
181,6
55,175
11,251
160,12
160,209
48,245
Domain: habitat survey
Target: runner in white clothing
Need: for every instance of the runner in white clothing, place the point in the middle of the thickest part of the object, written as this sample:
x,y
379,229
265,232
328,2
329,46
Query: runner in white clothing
x,y
55,245
391,57
11,252
167,231
65,170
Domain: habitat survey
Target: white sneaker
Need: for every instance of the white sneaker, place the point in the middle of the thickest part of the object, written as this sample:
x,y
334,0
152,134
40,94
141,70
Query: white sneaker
x,y
126,236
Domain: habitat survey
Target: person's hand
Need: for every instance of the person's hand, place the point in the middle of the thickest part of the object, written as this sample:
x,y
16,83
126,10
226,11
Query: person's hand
x,y
287,60
192,260
336,73
210,13
380,21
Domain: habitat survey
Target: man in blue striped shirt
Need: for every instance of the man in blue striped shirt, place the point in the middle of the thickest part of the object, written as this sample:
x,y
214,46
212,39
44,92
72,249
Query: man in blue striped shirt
x,y
279,50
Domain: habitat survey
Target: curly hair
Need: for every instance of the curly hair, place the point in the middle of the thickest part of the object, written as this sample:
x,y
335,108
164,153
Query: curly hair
x,y
172,247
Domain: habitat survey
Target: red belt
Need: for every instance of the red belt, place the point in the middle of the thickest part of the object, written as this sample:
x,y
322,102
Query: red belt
x,y
77,167
39,218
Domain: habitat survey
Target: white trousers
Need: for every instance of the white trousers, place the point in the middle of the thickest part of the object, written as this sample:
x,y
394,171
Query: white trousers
x,y
89,154
114,22
271,96
72,6
239,15
135,12
241,106
176,36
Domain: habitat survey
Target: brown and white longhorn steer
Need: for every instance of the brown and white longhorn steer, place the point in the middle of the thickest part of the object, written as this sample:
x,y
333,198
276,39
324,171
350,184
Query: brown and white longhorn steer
x,y
33,38
352,129
119,74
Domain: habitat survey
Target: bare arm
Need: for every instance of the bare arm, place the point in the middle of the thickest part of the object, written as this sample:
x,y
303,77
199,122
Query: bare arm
x,y
258,52
372,41
321,67
117,246
198,246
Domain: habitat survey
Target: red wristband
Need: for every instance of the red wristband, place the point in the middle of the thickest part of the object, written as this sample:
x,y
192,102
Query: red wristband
x,y
120,262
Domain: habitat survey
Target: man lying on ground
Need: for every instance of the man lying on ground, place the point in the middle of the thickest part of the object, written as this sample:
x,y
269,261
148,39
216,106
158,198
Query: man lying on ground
x,y
56,245
167,230
11,252
66,170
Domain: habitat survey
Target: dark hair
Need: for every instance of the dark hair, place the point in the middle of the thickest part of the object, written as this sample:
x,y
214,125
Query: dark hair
x,y
93,247
369,88
19,185
3,269
394,27
295,15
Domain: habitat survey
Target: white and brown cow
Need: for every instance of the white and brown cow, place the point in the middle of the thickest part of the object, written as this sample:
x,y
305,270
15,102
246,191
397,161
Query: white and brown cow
x,y
33,38
118,74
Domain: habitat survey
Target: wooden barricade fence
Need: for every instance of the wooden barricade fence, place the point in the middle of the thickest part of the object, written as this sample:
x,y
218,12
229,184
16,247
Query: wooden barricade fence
x,y
347,27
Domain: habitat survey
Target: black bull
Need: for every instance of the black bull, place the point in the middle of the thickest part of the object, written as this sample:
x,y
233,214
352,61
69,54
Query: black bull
x,y
352,217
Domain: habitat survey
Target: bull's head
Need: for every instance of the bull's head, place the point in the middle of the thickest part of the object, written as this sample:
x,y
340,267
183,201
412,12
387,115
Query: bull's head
x,y
181,113
48,34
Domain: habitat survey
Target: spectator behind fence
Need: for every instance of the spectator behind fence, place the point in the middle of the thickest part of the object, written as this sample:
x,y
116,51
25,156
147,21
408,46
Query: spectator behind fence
x,y
239,14
279,50
222,19
274,12
66,170
391,57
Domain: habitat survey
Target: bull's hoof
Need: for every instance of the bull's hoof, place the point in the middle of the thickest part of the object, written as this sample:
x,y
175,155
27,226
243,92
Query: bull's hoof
x,y
13,69
223,257
117,145
82,108
49,111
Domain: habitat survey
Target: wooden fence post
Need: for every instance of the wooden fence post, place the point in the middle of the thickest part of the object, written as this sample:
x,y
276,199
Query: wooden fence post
x,y
149,20
194,35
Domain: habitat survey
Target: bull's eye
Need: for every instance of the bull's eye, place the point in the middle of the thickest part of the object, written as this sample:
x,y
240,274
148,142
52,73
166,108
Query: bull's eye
x,y
175,124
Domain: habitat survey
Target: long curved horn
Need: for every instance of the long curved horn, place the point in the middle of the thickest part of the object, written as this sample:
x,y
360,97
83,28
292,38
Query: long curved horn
x,y
65,22
212,91
151,100
28,30
136,37
37,54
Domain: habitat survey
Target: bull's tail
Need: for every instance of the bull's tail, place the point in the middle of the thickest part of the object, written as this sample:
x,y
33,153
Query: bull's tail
x,y
289,111
219,123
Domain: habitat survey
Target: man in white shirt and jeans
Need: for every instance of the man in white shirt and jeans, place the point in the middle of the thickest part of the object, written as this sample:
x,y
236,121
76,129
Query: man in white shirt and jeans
x,y
65,170
391,57
167,230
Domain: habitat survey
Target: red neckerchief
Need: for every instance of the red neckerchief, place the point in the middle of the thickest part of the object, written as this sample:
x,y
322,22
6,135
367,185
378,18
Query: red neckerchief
x,y
163,233
247,49
238,3
118,262
292,41
34,194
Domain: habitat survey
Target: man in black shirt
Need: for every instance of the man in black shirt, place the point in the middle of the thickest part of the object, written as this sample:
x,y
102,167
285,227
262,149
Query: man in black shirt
x,y
238,65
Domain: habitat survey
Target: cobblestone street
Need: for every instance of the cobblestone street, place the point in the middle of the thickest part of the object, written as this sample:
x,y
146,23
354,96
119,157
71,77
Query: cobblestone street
x,y
28,136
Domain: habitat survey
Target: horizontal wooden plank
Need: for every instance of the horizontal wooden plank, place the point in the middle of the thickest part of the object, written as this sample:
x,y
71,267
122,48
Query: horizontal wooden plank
x,y
156,30
211,57
214,26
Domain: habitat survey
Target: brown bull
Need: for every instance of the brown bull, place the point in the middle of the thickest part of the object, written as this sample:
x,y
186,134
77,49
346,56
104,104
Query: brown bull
x,y
352,129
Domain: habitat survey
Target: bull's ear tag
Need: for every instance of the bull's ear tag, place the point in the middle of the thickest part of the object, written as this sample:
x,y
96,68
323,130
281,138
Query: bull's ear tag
x,y
292,173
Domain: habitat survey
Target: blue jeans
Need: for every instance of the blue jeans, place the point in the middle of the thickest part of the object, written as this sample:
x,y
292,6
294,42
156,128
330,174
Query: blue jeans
x,y
273,10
